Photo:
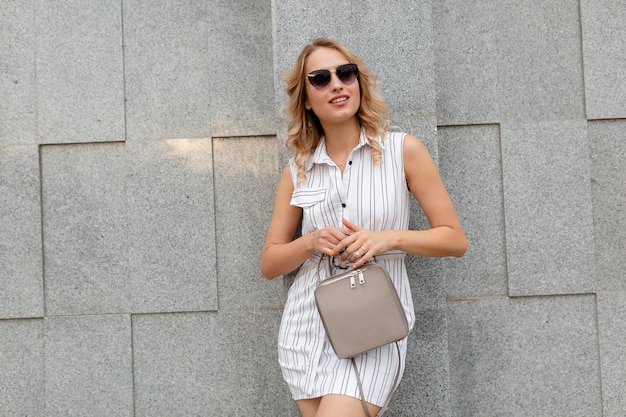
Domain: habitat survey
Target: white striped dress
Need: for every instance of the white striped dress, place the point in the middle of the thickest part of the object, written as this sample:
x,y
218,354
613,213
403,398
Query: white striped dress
x,y
373,196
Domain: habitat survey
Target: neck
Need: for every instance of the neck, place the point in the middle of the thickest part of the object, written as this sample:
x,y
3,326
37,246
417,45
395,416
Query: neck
x,y
341,139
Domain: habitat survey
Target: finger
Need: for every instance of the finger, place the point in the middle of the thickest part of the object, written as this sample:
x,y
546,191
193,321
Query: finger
x,y
351,225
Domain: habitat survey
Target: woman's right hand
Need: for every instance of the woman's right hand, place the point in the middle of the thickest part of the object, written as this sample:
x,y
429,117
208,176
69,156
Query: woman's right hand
x,y
325,240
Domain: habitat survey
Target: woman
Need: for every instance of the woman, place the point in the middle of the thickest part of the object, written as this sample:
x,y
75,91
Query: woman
x,y
349,182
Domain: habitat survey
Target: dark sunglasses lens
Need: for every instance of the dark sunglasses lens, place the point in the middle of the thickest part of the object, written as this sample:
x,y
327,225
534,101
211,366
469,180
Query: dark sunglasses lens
x,y
347,73
320,79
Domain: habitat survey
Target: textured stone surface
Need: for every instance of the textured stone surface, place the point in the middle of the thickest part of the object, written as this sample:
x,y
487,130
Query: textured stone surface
x,y
21,275
547,204
18,115
612,330
423,390
472,171
465,50
215,363
167,69
604,50
85,229
80,81
527,356
246,177
21,362
540,74
398,48
607,142
88,366
171,253
241,79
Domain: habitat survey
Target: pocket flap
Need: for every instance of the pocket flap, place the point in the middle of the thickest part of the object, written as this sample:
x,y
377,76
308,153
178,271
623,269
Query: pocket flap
x,y
306,197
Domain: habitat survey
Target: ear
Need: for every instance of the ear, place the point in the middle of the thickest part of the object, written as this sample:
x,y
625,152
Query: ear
x,y
307,105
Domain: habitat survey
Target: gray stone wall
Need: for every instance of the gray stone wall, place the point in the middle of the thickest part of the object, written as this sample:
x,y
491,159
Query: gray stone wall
x,y
140,145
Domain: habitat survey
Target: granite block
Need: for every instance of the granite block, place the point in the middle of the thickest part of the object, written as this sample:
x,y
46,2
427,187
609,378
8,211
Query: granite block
x,y
88,366
604,52
176,363
607,143
241,62
85,229
612,331
171,225
218,363
21,276
547,208
80,80
466,63
395,39
167,70
18,99
540,74
479,346
524,356
249,361
471,168
245,185
21,368
424,388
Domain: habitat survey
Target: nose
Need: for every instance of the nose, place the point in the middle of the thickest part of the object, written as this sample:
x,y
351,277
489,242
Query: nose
x,y
335,83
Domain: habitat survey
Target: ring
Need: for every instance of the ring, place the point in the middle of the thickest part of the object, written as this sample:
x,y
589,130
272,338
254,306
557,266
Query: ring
x,y
365,250
357,253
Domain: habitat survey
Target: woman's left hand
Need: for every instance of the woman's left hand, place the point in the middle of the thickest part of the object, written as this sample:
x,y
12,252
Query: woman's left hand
x,y
362,245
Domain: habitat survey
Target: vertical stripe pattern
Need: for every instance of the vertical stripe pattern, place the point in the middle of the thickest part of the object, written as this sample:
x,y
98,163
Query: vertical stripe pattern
x,y
373,196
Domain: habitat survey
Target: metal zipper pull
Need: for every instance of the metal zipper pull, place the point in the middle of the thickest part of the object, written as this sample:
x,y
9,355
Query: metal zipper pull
x,y
352,281
361,277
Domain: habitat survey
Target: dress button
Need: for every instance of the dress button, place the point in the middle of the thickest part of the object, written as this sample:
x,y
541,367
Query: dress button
x,y
343,205
349,162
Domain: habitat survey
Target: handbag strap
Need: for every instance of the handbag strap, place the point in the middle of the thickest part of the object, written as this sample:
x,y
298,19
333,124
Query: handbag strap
x,y
393,388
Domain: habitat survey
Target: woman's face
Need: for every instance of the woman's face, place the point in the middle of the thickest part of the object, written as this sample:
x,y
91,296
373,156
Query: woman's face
x,y
338,102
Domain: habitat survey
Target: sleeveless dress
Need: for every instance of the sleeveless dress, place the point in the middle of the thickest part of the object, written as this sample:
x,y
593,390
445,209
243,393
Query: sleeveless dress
x,y
373,196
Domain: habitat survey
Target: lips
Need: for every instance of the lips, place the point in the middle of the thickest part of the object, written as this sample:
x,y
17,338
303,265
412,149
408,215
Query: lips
x,y
338,100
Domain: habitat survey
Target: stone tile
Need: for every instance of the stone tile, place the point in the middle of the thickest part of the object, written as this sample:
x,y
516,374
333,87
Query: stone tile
x,y
85,229
246,177
88,366
167,70
612,330
80,80
21,368
479,346
398,47
607,141
423,390
529,356
241,62
466,61
176,363
186,364
554,357
21,277
547,205
249,361
471,168
604,54
171,233
18,100
540,74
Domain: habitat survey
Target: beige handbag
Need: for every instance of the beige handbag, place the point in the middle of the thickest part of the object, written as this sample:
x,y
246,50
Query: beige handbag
x,y
361,310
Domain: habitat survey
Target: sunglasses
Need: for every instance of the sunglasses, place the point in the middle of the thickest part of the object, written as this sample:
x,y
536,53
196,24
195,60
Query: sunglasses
x,y
320,79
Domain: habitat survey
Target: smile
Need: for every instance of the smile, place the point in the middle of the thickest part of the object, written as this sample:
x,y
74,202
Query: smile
x,y
339,100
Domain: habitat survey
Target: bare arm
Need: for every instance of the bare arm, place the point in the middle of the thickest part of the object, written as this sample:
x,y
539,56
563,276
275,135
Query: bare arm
x,y
445,236
281,253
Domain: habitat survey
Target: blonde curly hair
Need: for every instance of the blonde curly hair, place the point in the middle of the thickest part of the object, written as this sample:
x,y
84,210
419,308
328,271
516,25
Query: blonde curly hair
x,y
305,130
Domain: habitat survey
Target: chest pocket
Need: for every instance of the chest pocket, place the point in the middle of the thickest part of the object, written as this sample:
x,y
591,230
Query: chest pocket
x,y
307,197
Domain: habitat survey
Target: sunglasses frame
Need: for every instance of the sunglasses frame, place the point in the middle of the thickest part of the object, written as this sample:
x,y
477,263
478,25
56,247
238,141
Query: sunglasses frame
x,y
342,72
